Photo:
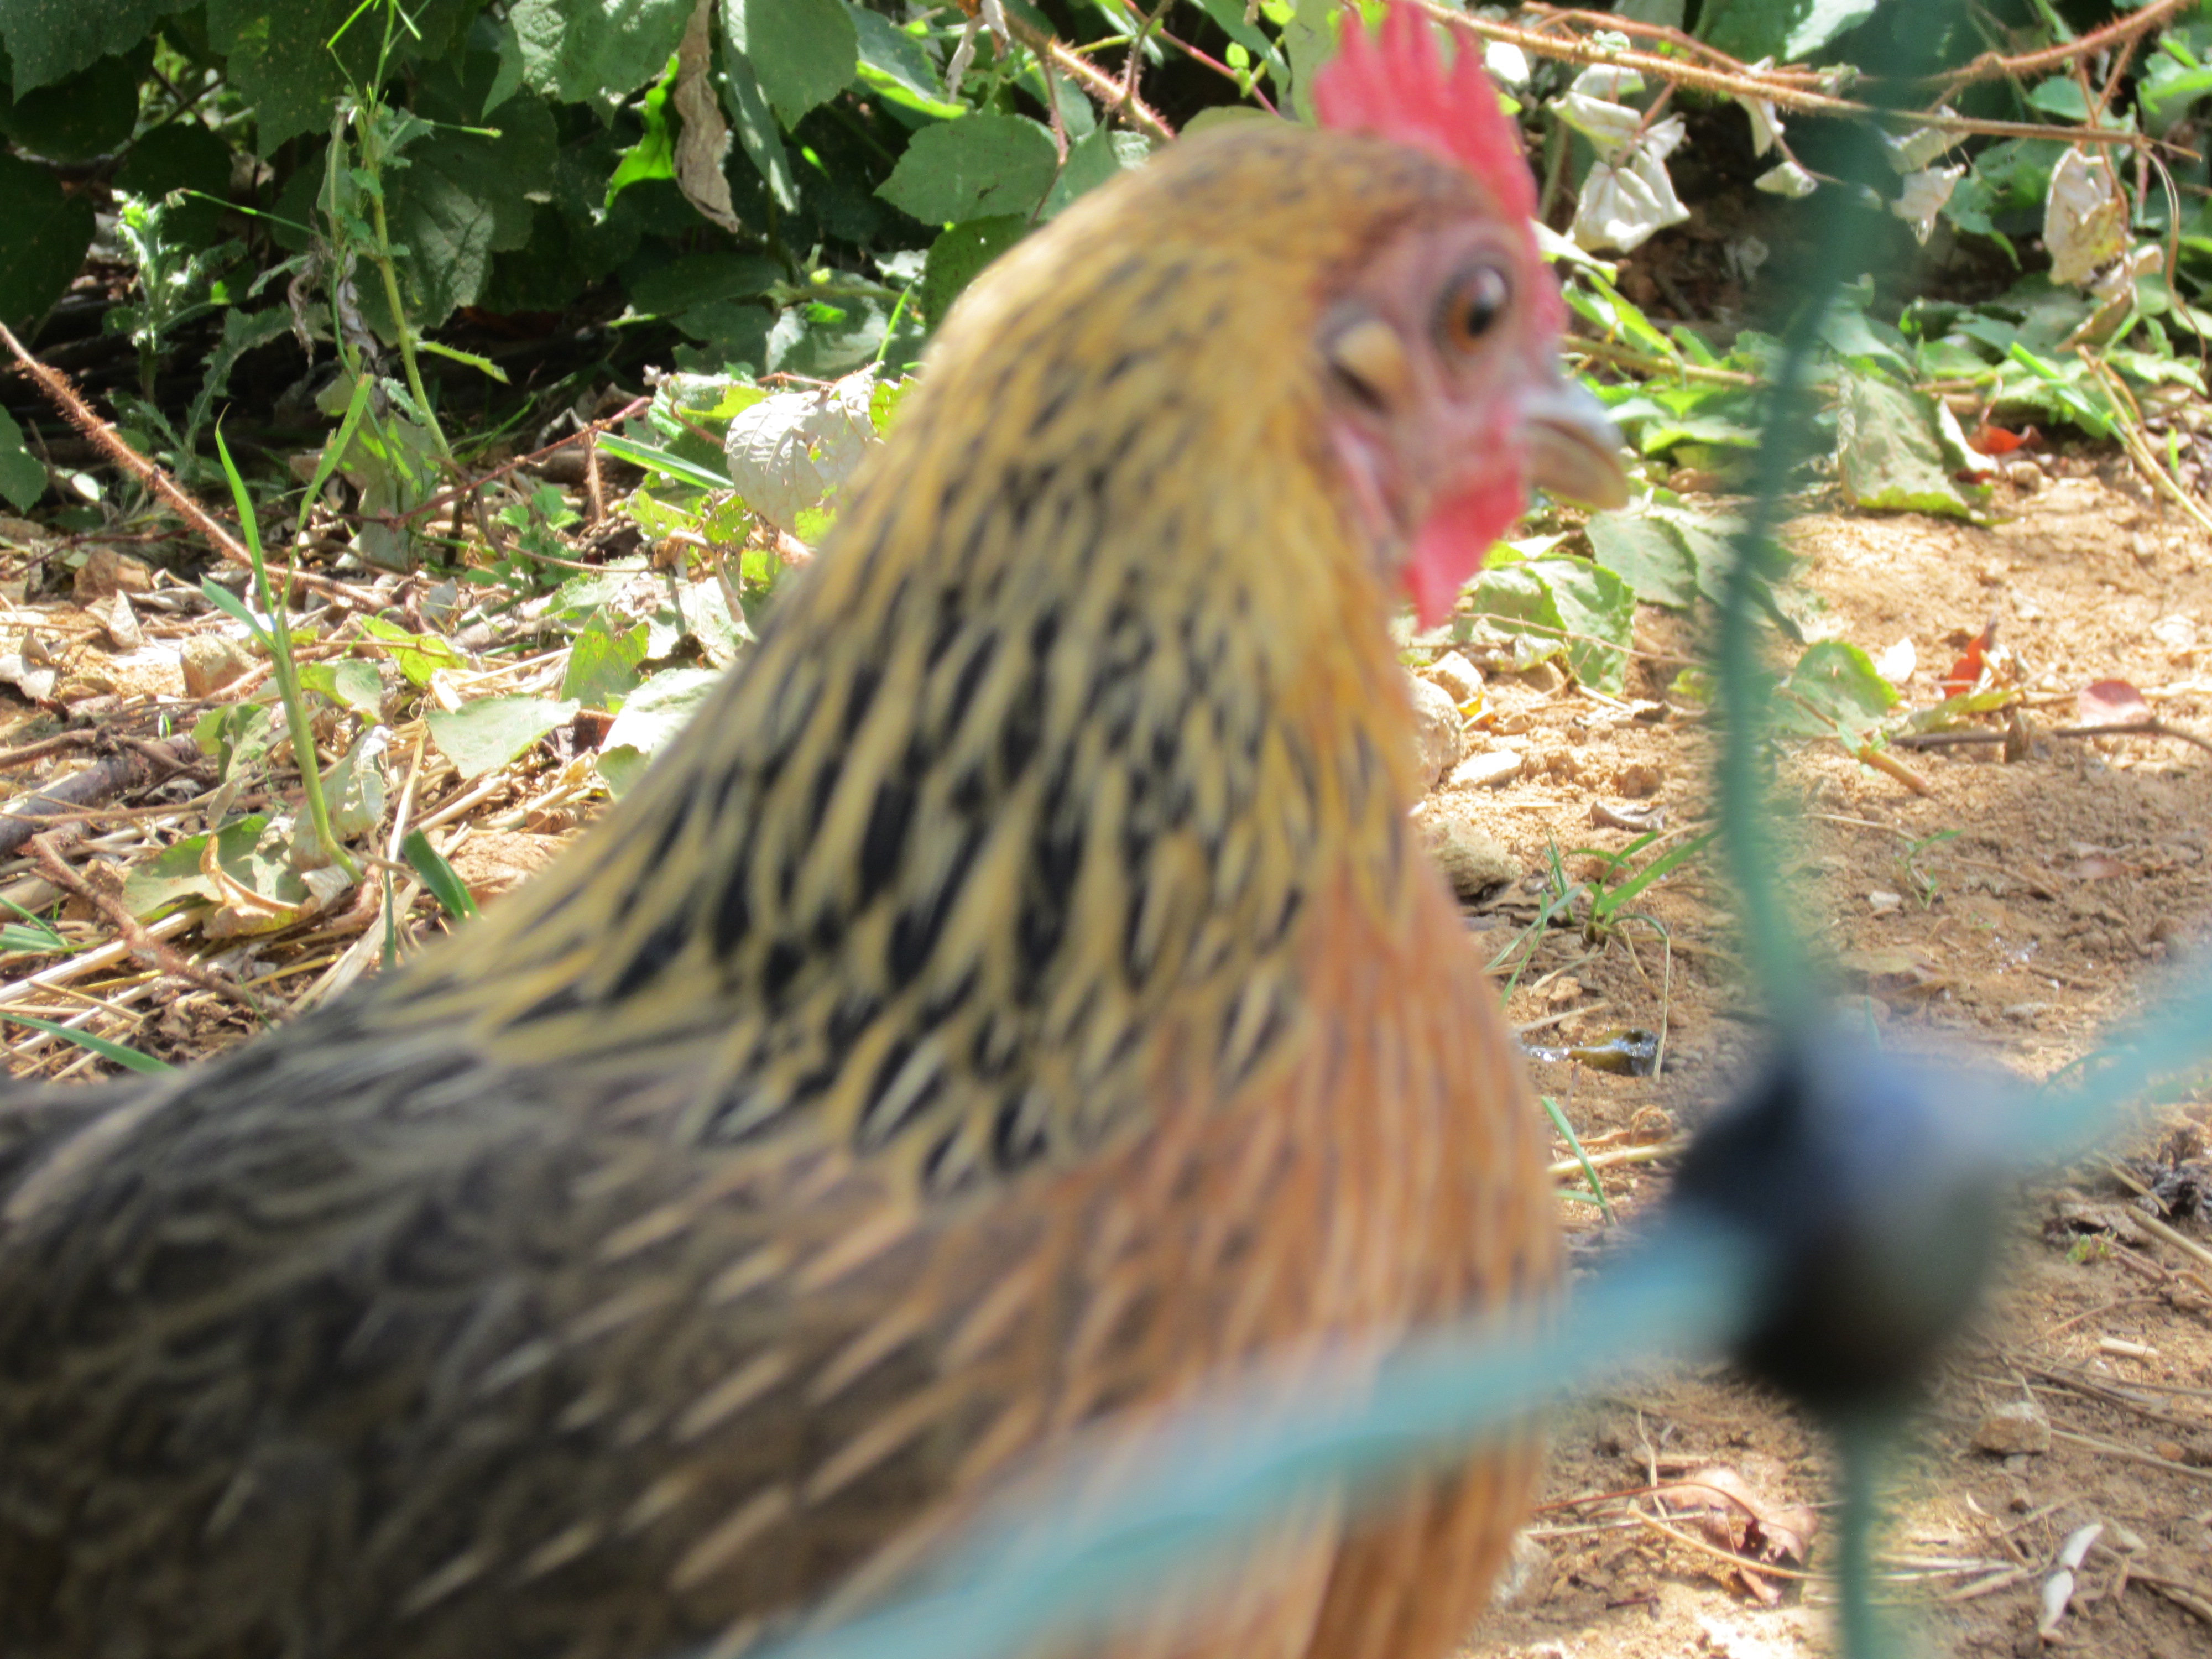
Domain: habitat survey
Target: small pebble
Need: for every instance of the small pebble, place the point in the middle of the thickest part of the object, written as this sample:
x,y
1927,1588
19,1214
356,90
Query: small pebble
x,y
1638,781
1472,861
211,661
1486,771
107,572
2017,1427
1439,738
1459,677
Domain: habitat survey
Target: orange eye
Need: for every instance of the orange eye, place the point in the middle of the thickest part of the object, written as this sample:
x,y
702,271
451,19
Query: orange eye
x,y
1473,306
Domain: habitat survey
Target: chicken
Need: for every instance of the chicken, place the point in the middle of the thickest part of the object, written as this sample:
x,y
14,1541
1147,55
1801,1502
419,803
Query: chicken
x,y
1018,996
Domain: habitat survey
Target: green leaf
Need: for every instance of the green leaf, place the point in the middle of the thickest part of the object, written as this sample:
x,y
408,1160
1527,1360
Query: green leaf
x,y
653,154
803,51
959,255
462,197
355,786
440,879
1646,554
698,279
129,1058
419,655
586,52
1834,691
44,235
973,168
22,479
1787,30
182,155
89,115
753,121
1585,607
238,736
281,65
883,404
349,683
896,65
2062,97
1890,449
1093,161
650,718
173,874
1599,610
49,39
483,736
602,663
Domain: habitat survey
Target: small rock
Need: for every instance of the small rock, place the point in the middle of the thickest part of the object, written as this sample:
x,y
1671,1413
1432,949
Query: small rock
x,y
2016,1427
1638,780
107,572
1472,861
2026,476
212,661
491,862
1882,903
1457,676
1526,1575
21,533
1486,771
1439,738
1544,676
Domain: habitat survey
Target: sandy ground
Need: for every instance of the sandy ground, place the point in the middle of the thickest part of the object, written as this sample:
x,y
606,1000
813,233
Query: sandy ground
x,y
2061,886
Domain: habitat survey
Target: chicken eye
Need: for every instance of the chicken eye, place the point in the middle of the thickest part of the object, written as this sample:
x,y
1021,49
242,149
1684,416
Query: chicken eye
x,y
1473,307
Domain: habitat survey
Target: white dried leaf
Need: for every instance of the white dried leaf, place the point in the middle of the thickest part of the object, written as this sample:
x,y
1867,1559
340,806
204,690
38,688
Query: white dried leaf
x,y
2118,282
1788,179
1765,124
1744,255
1898,664
1924,196
1610,127
1621,206
2084,216
1605,81
1506,62
790,452
1916,151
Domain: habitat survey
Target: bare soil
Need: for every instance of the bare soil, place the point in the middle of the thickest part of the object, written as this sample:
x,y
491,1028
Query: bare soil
x,y
2007,914
2062,884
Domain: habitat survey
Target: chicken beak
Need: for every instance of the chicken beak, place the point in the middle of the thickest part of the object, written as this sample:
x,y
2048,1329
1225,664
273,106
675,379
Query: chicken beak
x,y
1574,449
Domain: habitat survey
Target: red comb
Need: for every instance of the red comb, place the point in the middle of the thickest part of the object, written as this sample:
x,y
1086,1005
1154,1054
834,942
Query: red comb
x,y
1392,85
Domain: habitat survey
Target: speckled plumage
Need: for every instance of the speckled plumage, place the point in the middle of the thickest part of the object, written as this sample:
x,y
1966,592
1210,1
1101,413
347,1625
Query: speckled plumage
x,y
1018,994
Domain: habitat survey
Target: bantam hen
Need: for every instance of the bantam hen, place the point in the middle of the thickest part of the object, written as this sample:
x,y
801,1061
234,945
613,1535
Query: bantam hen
x,y
1018,996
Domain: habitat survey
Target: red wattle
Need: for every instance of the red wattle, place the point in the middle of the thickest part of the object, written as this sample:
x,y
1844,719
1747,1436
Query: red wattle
x,y
1454,541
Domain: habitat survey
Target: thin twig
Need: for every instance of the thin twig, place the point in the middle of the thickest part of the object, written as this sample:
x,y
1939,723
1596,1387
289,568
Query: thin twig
x,y
64,395
143,945
1103,88
1990,66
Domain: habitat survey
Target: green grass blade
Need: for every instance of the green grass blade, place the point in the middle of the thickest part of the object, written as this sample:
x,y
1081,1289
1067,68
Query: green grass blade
x,y
661,461
446,887
1575,1145
130,1058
